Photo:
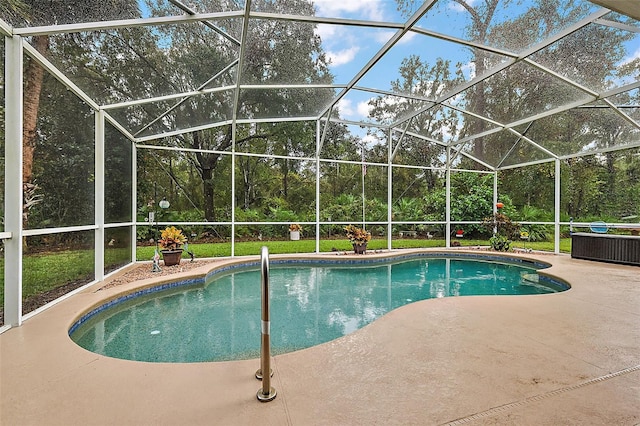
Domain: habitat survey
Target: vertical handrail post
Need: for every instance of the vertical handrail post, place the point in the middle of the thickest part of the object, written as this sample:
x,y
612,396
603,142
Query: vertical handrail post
x,y
266,392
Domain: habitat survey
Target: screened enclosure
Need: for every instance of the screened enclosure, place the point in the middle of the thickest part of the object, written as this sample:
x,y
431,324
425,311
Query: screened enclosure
x,y
414,120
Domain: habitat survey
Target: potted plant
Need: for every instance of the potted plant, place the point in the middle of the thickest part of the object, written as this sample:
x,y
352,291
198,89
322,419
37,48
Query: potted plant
x,y
294,231
171,241
503,230
358,238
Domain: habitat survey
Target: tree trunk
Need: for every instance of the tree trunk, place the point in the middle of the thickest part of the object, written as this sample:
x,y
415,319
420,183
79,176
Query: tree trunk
x,y
481,125
610,199
207,182
206,165
207,162
285,179
479,30
431,180
34,76
246,182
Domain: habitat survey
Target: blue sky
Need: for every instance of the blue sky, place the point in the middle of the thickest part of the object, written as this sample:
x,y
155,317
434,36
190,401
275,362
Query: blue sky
x,y
349,48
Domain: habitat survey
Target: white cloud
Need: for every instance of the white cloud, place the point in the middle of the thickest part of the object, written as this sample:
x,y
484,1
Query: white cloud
x,y
633,57
358,112
326,32
363,9
383,36
469,70
343,43
343,57
371,140
363,109
339,45
346,108
407,37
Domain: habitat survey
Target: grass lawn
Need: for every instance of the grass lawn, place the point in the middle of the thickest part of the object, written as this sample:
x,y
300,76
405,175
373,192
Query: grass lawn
x,y
247,248
43,272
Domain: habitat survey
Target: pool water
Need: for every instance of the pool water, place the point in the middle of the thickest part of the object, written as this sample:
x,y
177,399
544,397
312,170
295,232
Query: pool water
x,y
220,320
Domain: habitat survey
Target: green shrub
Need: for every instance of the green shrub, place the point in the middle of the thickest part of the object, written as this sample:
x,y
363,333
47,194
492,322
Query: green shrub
x,y
500,243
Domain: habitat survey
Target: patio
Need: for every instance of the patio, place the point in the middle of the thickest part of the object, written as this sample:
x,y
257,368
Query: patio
x,y
565,358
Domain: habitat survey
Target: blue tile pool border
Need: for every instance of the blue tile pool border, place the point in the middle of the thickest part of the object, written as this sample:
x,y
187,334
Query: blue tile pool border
x,y
311,262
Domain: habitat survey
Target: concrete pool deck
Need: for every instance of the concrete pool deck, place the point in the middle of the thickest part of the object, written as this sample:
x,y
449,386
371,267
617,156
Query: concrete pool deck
x,y
565,358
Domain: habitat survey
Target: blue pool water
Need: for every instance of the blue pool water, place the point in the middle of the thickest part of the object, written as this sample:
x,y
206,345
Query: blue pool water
x,y
220,320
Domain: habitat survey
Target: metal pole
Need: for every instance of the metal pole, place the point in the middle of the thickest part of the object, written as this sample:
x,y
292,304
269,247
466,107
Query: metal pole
x,y
557,206
495,201
448,199
364,172
13,199
156,255
266,393
390,189
155,211
99,185
317,159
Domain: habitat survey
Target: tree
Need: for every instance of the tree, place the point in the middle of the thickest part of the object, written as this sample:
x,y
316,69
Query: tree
x,y
424,81
478,30
276,52
14,10
64,167
420,79
45,13
523,91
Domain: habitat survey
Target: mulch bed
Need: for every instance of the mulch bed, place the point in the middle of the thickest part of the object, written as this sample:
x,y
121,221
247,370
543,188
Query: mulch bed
x,y
143,271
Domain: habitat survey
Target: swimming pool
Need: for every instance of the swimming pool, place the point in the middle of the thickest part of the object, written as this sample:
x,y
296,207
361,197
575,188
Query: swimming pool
x,y
311,303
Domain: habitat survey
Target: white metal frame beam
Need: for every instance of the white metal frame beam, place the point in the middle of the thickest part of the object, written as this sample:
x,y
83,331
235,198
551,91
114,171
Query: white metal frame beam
x,y
5,29
124,23
319,142
234,121
215,28
13,197
205,18
99,203
199,91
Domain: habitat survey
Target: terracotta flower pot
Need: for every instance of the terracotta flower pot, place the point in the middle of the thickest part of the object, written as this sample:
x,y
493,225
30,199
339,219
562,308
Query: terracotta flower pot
x,y
360,248
171,257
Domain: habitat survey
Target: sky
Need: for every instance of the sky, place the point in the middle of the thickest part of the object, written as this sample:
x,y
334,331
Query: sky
x,y
349,48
